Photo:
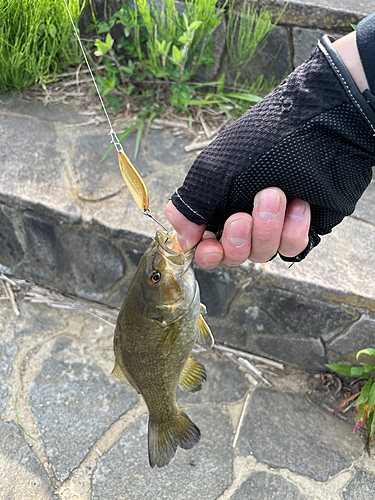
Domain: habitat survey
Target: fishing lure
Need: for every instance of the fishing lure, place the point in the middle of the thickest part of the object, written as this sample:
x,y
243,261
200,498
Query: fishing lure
x,y
132,178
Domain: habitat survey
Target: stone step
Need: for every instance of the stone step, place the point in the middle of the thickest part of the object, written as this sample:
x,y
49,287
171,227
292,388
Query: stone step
x,y
68,222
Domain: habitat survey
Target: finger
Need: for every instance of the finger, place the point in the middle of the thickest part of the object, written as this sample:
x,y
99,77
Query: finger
x,y
268,213
209,252
236,239
188,233
295,233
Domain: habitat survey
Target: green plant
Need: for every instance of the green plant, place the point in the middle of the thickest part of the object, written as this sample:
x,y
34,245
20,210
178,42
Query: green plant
x,y
161,42
365,398
36,41
247,33
161,50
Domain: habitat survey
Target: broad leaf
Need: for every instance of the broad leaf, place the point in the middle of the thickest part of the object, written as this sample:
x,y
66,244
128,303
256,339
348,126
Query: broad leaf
x,y
365,391
340,368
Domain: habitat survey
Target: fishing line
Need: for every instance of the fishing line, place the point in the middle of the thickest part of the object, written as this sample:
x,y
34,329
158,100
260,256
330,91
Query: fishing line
x,y
112,133
135,180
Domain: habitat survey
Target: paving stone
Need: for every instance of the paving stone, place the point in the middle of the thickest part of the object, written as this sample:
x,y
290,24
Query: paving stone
x,y
79,261
305,41
217,287
11,252
135,254
340,264
161,188
117,298
361,487
5,270
357,337
22,476
121,214
297,436
202,472
34,319
254,320
7,356
267,486
6,314
323,14
53,112
364,209
226,332
305,353
167,149
225,383
293,313
74,402
32,174
98,180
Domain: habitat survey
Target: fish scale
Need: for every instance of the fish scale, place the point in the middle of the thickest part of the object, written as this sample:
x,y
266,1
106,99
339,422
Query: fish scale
x,y
158,324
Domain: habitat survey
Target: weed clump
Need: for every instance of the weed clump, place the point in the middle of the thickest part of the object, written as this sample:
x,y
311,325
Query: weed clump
x,y
36,41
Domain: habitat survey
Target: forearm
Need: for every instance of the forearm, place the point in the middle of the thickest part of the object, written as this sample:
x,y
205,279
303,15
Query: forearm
x,y
357,51
347,49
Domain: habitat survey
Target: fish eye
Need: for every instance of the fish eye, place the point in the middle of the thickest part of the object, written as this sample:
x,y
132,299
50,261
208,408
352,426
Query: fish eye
x,y
155,277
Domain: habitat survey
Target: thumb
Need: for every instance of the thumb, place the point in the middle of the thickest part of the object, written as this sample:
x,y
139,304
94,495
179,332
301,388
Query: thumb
x,y
188,233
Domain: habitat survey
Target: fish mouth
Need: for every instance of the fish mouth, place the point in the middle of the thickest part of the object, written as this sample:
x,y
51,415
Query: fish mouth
x,y
169,247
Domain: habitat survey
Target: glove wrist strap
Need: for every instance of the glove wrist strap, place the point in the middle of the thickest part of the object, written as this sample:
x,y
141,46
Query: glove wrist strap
x,y
347,81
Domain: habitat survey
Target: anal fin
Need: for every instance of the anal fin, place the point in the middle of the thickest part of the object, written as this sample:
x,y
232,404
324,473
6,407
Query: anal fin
x,y
117,372
204,334
193,375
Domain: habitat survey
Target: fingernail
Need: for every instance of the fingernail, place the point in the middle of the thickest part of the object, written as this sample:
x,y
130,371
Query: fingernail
x,y
211,259
239,232
267,204
296,212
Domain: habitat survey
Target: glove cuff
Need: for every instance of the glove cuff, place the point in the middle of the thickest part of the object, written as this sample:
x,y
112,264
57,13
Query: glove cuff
x,y
346,80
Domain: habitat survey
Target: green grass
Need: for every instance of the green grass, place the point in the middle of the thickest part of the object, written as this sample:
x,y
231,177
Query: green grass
x,y
36,41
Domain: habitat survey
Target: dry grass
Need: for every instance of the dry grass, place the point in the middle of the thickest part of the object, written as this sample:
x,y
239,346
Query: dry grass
x,y
75,88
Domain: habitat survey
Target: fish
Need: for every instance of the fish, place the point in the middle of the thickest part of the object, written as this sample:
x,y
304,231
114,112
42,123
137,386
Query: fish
x,y
159,322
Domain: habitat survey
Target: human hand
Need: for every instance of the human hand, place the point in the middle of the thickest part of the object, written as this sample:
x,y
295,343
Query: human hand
x,y
312,138
273,227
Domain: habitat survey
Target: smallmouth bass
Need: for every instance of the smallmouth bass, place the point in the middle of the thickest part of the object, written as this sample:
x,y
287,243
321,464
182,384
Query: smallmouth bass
x,y
158,324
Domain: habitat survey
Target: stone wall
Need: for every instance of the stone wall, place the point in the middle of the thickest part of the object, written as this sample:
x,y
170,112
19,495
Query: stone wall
x,y
67,221
302,24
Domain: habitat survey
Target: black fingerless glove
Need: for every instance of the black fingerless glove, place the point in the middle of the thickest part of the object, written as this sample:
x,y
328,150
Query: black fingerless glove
x,y
313,137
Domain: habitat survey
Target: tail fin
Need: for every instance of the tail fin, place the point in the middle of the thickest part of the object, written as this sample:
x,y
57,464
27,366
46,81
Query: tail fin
x,y
164,438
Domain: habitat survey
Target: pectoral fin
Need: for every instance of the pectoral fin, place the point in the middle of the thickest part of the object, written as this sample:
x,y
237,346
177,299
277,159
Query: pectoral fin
x,y
193,375
117,372
169,340
204,334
